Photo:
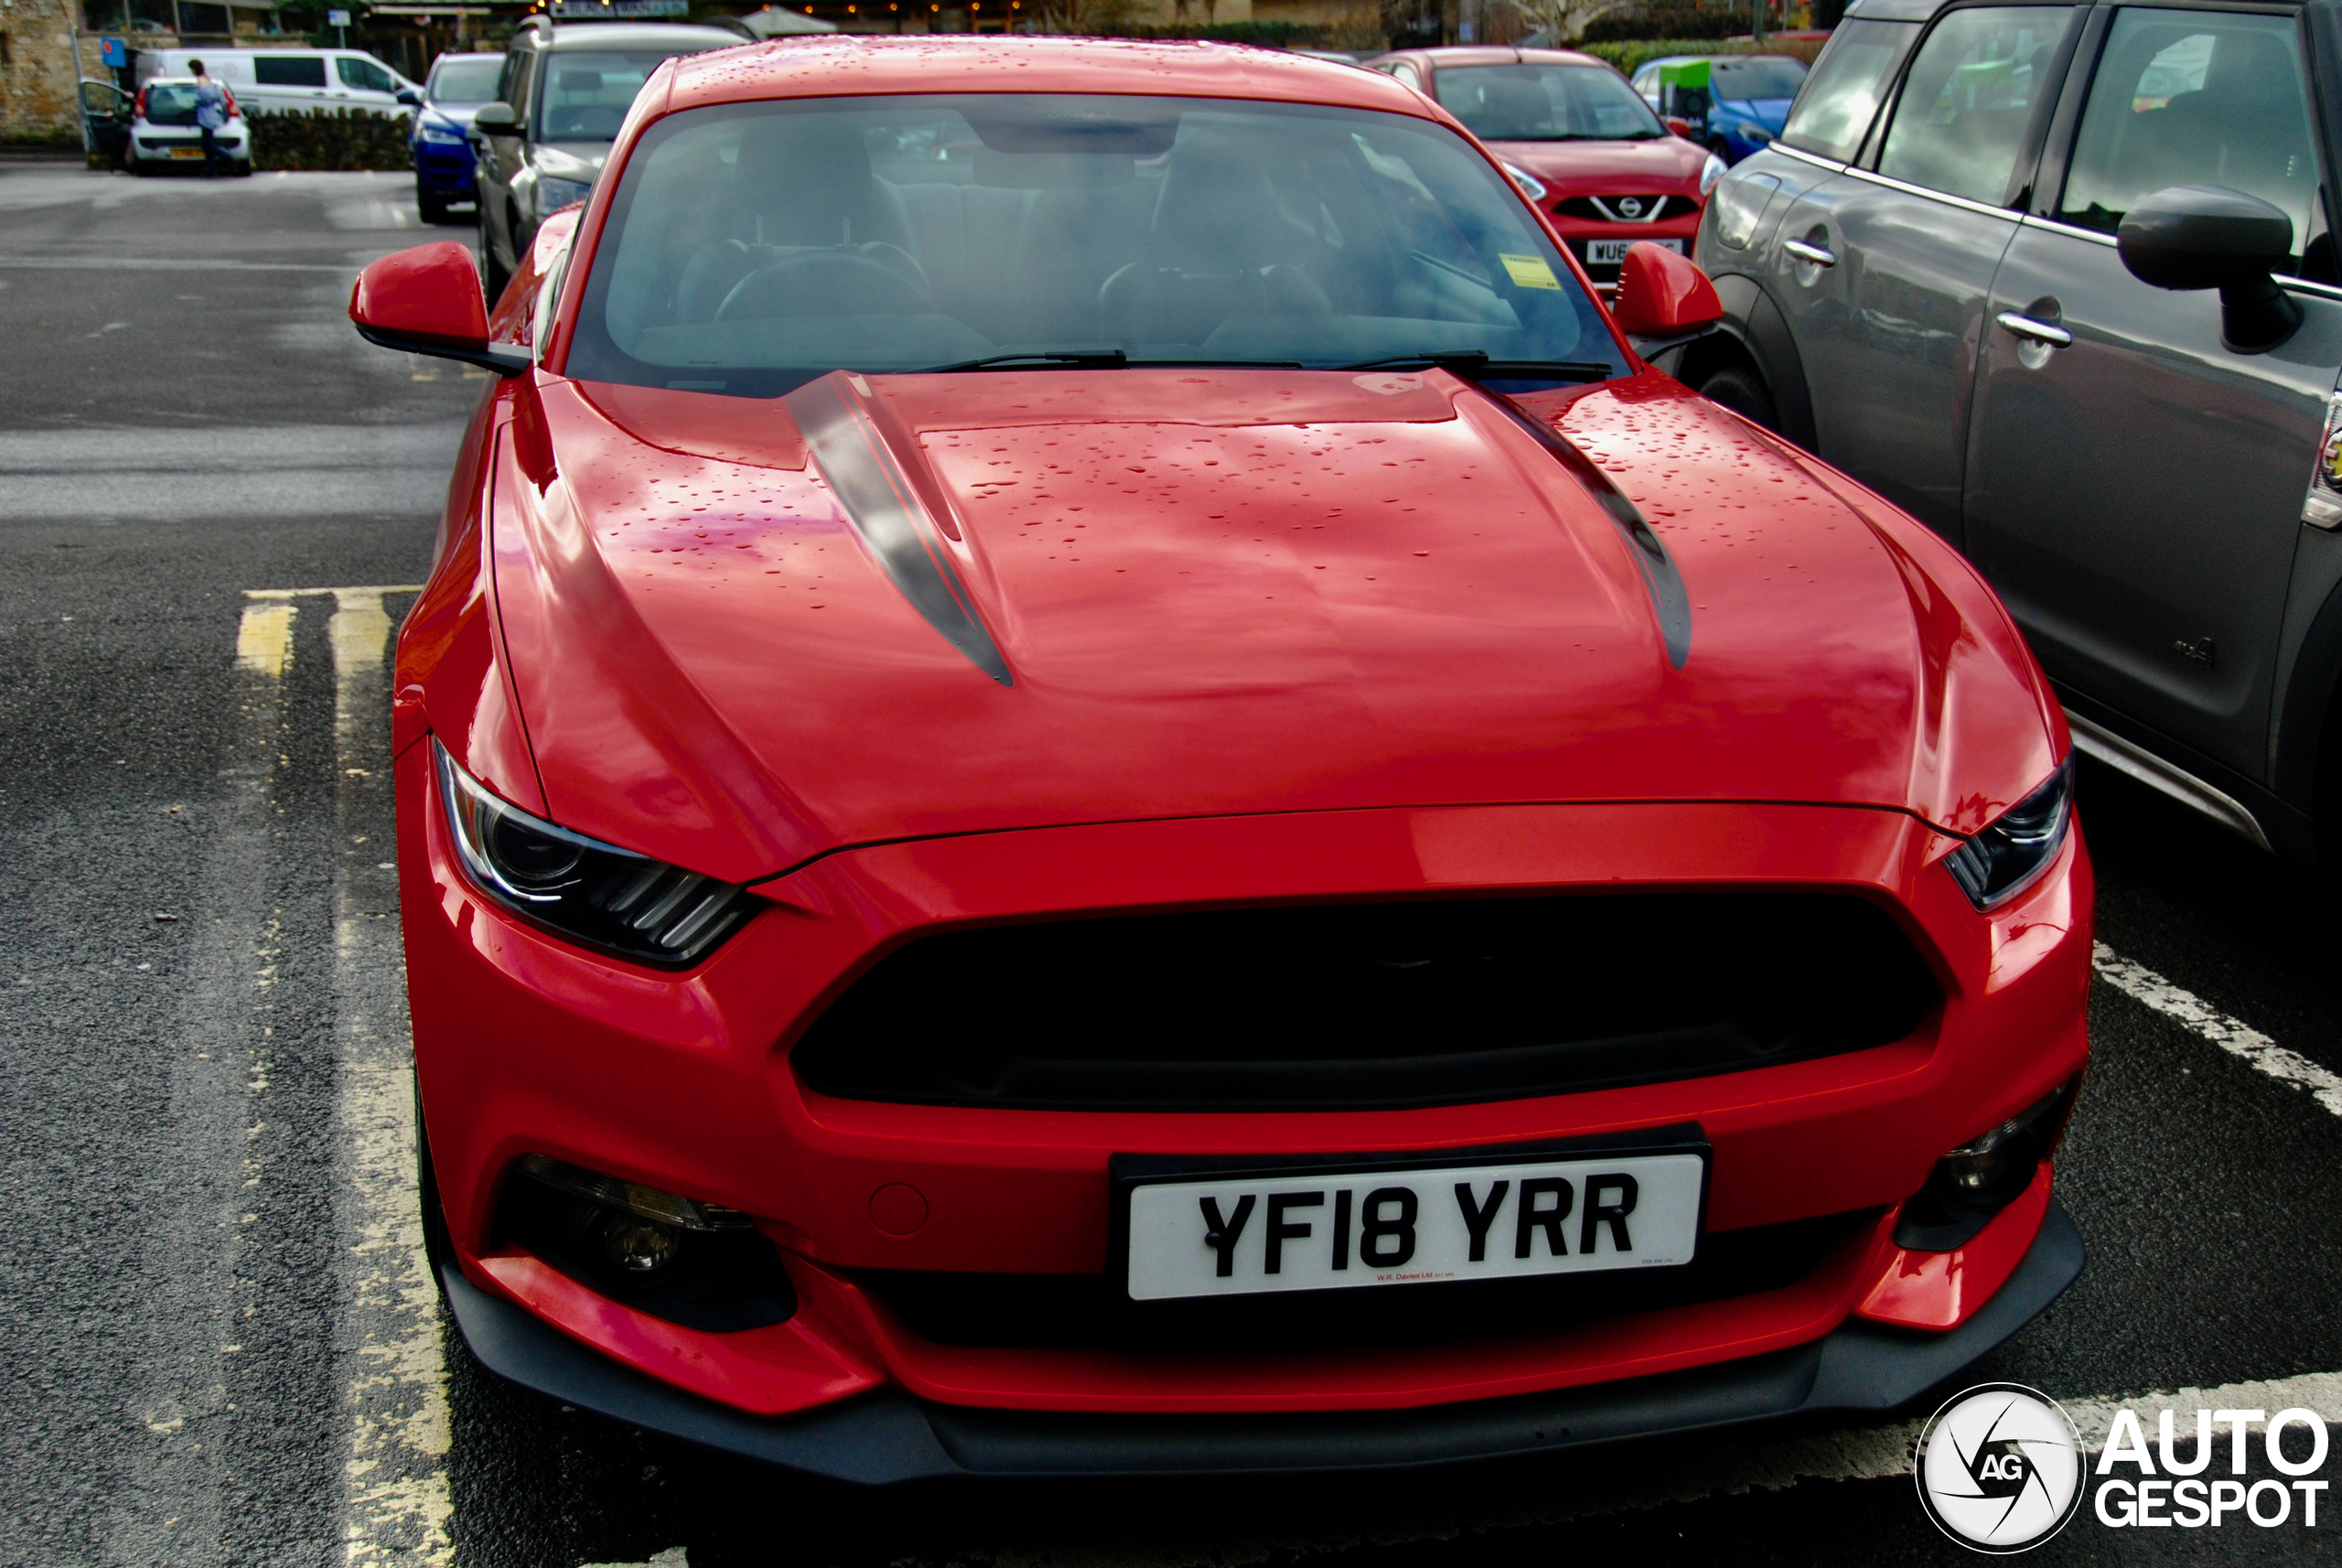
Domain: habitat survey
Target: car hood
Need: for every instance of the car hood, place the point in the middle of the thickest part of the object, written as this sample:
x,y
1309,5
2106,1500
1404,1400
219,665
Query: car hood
x,y
456,115
1077,597
1663,165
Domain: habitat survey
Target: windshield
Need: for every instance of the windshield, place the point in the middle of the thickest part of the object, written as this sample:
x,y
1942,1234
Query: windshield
x,y
465,80
751,248
1546,104
1746,79
587,93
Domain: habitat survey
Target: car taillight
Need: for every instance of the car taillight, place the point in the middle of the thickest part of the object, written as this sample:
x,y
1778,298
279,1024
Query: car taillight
x,y
232,103
138,109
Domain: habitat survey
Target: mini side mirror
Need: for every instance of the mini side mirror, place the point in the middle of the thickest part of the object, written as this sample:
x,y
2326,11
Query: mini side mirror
x,y
428,301
1679,126
2205,236
496,120
1663,299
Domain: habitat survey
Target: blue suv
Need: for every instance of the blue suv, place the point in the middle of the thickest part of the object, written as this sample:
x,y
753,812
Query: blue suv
x,y
1734,105
438,136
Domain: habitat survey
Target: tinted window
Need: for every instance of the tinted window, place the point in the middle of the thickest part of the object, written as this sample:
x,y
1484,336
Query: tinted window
x,y
364,75
289,71
753,247
1545,104
1839,100
465,80
1959,122
586,94
2194,98
1744,79
170,103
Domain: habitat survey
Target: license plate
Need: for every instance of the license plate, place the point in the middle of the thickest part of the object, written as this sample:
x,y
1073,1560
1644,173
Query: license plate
x,y
1598,252
187,152
1274,1227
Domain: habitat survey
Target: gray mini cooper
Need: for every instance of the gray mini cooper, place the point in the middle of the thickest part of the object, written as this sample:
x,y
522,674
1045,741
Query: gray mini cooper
x,y
2061,279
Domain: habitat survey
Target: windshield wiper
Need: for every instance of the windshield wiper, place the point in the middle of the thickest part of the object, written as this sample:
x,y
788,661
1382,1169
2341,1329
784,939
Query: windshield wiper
x,y
1078,358
1475,364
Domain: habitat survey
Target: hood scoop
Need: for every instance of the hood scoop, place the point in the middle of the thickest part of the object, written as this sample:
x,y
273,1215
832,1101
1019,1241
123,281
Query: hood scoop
x,y
852,457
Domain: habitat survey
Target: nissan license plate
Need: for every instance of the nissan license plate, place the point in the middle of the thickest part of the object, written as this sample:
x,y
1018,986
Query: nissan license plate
x,y
1301,1227
1600,252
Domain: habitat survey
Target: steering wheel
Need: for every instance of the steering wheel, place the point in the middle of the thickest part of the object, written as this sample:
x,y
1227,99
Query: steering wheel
x,y
824,282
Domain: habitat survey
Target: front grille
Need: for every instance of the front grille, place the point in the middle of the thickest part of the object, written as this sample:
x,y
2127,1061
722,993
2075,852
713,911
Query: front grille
x,y
1359,1007
1612,209
1070,1312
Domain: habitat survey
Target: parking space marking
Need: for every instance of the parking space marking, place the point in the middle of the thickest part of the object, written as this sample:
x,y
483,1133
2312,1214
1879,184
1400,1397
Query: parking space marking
x,y
264,639
396,1507
2238,1039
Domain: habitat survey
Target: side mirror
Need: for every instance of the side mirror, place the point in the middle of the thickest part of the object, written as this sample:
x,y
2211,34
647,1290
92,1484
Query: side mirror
x,y
428,301
496,120
410,97
2205,236
1663,299
1678,126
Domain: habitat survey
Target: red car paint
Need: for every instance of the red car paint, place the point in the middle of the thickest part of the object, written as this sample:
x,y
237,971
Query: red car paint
x,y
1662,167
1278,637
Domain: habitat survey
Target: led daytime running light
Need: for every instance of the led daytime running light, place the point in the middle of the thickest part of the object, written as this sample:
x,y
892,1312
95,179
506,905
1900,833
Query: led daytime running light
x,y
589,891
2003,859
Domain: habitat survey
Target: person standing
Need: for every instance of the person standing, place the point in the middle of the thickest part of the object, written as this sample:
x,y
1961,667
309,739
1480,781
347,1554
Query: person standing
x,y
210,113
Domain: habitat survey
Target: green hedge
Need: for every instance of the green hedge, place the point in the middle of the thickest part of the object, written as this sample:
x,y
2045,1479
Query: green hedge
x,y
1629,56
328,139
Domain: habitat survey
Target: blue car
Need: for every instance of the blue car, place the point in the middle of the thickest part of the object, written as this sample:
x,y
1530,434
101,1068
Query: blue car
x,y
1732,103
457,86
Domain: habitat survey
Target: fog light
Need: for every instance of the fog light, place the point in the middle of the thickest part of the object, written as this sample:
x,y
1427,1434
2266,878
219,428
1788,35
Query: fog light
x,y
638,1246
1975,1181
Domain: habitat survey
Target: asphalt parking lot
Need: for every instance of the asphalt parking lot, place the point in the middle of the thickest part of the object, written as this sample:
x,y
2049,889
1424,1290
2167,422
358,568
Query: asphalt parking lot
x,y
214,504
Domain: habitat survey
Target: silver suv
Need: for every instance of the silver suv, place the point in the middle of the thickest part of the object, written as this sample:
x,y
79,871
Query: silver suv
x,y
2061,279
564,92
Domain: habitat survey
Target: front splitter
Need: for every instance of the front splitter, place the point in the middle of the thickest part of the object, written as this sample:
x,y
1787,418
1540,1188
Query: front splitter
x,y
886,1436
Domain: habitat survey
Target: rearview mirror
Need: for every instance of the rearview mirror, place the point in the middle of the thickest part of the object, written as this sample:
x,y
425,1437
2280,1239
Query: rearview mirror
x,y
428,301
496,120
1663,299
2205,236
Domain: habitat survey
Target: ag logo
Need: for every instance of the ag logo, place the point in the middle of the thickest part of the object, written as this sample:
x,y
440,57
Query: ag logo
x,y
1999,1469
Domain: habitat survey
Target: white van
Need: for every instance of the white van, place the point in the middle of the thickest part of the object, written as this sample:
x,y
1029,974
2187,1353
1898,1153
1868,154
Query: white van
x,y
275,81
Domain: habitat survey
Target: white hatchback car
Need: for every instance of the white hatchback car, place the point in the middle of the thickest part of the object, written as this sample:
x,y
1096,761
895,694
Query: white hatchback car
x,y
163,130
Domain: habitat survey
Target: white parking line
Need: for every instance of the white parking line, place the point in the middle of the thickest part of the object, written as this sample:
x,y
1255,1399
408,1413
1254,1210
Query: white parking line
x,y
2238,1039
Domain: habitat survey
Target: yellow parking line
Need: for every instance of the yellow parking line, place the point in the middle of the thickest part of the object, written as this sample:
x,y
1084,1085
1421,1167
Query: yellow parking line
x,y
264,639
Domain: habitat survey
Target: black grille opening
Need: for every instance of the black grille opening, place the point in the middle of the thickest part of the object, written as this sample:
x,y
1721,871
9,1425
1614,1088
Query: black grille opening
x,y
1083,1312
1613,209
1368,1006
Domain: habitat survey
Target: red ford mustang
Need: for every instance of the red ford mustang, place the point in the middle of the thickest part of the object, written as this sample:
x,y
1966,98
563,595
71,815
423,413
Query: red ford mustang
x,y
1092,779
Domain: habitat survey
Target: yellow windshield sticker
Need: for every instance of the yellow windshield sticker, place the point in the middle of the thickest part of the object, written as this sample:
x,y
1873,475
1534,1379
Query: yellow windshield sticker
x,y
1529,272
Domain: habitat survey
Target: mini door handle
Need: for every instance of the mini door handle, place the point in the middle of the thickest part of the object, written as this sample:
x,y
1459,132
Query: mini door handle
x,y
1806,253
2040,331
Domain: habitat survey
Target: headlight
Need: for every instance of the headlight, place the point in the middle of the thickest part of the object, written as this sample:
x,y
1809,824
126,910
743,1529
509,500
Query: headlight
x,y
589,891
446,135
1999,863
553,195
1711,172
1533,188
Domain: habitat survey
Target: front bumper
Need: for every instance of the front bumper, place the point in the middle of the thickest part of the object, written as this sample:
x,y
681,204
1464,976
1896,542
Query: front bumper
x,y
446,170
886,1435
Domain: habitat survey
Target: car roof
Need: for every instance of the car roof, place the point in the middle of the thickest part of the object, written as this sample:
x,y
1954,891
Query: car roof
x,y
1488,54
635,36
843,64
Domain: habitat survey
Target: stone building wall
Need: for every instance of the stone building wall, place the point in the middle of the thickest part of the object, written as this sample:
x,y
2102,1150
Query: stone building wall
x,y
38,94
